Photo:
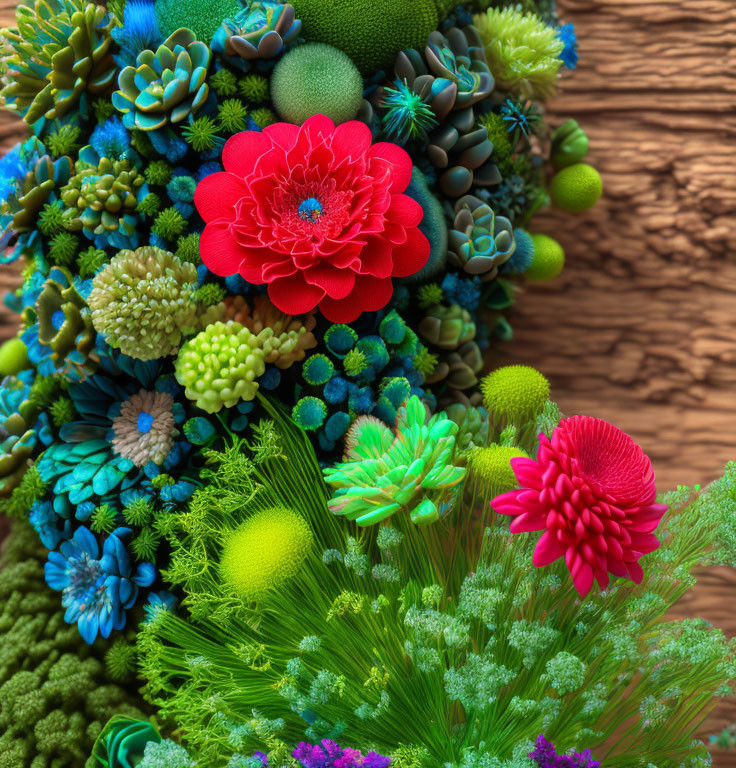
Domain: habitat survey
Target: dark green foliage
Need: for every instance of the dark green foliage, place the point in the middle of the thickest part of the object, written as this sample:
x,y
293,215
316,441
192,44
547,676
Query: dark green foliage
x,y
55,696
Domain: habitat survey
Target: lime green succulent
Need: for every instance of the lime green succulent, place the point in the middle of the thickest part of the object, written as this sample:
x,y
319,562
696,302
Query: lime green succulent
x,y
58,53
410,468
166,85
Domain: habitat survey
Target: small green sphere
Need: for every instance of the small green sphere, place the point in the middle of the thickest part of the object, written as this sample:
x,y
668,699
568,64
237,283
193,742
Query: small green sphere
x,y
203,17
316,79
548,261
371,32
515,393
264,553
576,188
13,357
491,466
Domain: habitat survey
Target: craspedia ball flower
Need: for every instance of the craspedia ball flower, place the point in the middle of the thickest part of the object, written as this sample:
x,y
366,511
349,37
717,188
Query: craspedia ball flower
x,y
142,301
548,260
13,357
591,490
491,465
317,213
265,553
576,188
316,79
371,33
144,430
220,365
515,393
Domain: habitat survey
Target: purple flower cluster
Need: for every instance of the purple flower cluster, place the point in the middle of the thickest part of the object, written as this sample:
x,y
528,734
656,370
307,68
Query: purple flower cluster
x,y
546,757
328,754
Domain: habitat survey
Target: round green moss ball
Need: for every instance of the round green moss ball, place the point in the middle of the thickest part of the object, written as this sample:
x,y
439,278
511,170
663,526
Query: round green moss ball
x,y
265,552
371,32
548,261
515,393
203,17
491,466
13,357
576,188
316,79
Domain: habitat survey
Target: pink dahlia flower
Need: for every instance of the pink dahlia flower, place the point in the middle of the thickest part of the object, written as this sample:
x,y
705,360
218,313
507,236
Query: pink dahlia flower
x,y
317,213
591,490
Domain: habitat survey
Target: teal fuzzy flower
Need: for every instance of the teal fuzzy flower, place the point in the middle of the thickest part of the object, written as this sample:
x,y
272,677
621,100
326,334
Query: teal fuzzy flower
x,y
409,468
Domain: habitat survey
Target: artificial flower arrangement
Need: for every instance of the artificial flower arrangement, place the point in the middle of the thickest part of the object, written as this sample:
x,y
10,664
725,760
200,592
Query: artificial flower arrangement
x,y
286,521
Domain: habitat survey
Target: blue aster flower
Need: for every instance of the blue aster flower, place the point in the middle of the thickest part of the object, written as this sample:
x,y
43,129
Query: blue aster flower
x,y
569,55
111,139
158,602
51,527
139,32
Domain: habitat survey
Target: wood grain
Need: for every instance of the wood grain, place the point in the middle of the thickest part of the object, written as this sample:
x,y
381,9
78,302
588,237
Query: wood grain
x,y
641,327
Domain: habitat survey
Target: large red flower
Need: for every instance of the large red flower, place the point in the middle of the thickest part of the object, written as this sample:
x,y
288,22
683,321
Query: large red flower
x,y
592,491
317,213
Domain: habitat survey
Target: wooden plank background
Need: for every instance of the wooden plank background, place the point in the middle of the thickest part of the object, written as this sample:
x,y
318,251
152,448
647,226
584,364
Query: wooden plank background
x,y
641,327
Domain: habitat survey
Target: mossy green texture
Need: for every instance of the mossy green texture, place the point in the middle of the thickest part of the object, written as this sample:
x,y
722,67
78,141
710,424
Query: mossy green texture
x,y
13,357
549,259
515,392
55,696
316,79
371,32
576,188
265,552
203,17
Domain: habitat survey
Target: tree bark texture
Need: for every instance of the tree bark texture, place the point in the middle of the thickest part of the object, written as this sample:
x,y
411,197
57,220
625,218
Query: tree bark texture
x,y
641,327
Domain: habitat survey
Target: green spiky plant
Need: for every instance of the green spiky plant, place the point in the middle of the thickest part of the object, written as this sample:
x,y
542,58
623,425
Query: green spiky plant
x,y
376,640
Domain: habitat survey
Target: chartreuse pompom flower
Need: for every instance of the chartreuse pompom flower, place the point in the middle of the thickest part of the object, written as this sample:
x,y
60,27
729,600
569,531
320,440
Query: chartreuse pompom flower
x,y
143,300
316,79
265,552
515,393
220,365
548,260
490,465
13,357
522,51
576,188
385,471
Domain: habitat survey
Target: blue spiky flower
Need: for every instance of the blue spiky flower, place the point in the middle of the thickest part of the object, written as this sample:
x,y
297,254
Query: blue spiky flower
x,y
407,115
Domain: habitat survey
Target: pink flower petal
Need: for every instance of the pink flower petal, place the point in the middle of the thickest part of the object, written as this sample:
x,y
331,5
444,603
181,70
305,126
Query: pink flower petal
x,y
507,503
548,550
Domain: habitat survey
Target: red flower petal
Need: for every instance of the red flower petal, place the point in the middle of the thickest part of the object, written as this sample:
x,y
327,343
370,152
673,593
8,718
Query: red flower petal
x,y
220,252
369,295
241,152
283,135
216,195
293,295
411,256
548,550
351,139
399,159
405,211
336,283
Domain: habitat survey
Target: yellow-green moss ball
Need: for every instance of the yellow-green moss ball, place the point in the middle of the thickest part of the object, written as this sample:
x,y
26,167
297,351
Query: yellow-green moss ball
x,y
576,188
265,552
548,261
491,466
515,393
13,357
316,79
371,32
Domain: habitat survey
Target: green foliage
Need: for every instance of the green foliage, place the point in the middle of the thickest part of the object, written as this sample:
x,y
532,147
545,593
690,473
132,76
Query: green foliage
x,y
201,134
158,172
231,115
187,249
169,224
63,141
90,261
104,519
62,411
31,488
203,17
380,654
63,248
150,205
254,88
54,693
51,219
224,82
